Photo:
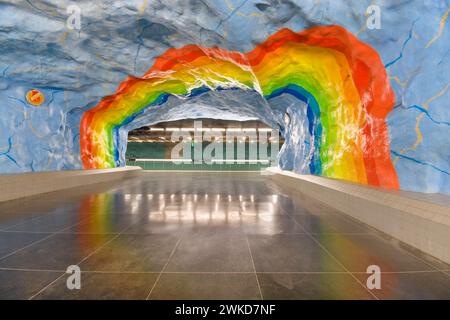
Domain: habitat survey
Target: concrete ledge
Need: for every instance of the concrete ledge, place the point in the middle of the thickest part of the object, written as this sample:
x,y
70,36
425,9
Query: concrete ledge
x,y
420,220
28,184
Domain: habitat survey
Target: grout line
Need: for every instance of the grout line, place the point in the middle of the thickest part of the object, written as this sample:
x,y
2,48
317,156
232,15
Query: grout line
x,y
164,267
86,257
254,268
340,263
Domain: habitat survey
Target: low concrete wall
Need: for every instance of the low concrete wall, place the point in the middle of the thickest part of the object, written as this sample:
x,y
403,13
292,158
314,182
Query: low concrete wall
x,y
420,220
28,184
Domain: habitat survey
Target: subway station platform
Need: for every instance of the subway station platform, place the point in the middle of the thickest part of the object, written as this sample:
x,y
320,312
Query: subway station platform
x,y
202,235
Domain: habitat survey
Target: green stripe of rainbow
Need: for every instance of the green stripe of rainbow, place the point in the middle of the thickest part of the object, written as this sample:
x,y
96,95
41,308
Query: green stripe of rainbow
x,y
342,79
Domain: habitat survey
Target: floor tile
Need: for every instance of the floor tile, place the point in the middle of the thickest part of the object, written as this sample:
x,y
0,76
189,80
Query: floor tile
x,y
47,223
12,241
302,204
316,223
407,286
102,286
132,253
256,208
270,225
323,286
357,252
55,253
162,223
38,205
289,253
211,252
9,220
21,285
206,287
102,224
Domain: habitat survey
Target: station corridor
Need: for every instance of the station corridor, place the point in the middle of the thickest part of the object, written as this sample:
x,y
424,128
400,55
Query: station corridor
x,y
201,235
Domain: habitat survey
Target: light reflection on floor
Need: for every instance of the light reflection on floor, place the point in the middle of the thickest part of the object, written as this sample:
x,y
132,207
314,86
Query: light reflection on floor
x,y
201,236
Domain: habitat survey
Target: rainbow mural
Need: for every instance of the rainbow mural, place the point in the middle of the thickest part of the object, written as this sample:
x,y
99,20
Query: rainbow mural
x,y
342,80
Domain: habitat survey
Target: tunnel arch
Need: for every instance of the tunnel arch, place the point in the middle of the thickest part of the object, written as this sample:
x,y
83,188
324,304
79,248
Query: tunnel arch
x,y
224,105
341,79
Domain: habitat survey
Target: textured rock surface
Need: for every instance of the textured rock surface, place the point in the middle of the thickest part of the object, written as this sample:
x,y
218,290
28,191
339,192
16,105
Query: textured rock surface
x,y
76,68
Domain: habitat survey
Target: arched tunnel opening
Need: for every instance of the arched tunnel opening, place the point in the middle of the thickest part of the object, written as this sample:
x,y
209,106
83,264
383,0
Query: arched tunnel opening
x,y
204,144
242,130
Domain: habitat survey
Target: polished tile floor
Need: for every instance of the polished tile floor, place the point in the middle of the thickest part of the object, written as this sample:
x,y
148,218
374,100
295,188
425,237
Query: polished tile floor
x,y
201,236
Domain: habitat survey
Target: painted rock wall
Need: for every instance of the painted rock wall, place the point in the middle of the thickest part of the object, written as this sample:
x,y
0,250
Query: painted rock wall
x,y
366,86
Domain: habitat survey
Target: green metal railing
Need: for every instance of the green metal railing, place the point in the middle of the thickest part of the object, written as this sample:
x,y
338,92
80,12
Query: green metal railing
x,y
167,164
156,156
